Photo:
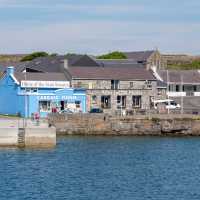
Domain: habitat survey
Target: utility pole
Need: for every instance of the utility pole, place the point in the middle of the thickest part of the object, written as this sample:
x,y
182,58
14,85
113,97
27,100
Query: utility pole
x,y
25,103
181,94
168,92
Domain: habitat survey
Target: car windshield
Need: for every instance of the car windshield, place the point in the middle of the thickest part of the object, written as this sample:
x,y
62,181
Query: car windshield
x,y
173,103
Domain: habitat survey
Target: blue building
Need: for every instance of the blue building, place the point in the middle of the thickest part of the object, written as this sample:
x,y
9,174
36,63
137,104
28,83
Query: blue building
x,y
26,93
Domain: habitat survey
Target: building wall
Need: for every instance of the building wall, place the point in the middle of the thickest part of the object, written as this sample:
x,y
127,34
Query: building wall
x,y
8,96
14,100
54,97
101,88
157,60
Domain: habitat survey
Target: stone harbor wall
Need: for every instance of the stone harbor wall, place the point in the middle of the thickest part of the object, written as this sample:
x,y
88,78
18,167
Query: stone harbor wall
x,y
101,124
8,136
13,134
37,137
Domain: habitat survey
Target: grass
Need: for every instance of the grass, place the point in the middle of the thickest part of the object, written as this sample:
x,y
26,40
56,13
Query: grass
x,y
185,66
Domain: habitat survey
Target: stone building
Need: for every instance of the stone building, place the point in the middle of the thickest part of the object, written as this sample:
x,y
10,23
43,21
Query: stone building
x,y
147,58
115,89
113,85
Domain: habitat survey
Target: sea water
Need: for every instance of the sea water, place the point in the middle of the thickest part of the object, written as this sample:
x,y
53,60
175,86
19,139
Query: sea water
x,y
104,168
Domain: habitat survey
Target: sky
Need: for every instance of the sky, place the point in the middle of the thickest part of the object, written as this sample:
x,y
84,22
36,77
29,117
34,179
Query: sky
x,y
99,26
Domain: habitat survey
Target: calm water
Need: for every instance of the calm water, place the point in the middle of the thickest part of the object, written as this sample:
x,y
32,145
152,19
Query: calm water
x,y
113,168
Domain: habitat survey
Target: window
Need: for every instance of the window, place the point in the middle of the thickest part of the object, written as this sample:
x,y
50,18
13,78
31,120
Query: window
x,y
148,84
31,90
27,90
137,101
45,106
121,102
34,90
105,102
78,104
114,84
131,84
94,99
177,88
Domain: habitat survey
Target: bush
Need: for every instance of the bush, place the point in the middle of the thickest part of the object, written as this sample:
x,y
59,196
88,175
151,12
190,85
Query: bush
x,y
113,55
34,55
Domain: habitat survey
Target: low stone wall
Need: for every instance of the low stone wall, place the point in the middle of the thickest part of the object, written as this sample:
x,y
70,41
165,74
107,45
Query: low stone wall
x,y
100,124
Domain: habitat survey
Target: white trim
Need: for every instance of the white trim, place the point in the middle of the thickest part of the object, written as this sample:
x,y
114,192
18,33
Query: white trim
x,y
15,80
63,89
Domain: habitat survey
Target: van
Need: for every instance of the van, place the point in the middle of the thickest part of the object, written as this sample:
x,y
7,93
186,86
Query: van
x,y
167,103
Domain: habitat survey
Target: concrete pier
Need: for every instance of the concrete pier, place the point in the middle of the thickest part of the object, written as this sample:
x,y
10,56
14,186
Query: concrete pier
x,y
16,132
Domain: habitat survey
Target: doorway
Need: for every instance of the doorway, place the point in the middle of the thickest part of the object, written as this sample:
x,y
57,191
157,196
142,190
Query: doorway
x,y
62,103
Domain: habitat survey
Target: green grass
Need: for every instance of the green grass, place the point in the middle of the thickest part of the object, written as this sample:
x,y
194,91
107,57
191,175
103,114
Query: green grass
x,y
185,66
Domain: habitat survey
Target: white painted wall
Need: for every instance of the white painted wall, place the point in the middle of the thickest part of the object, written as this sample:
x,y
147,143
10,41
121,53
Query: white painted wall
x,y
176,94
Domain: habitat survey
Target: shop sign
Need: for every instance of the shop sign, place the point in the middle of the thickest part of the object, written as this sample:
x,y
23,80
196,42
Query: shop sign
x,y
45,84
48,97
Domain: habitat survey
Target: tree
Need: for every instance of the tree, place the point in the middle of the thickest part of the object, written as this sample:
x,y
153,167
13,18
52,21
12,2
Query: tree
x,y
113,55
34,55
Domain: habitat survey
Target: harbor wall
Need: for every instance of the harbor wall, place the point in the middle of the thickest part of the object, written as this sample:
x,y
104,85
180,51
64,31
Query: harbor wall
x,y
8,136
100,124
37,137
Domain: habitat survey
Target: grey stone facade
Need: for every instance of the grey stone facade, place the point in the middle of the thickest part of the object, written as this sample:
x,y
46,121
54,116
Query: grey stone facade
x,y
141,92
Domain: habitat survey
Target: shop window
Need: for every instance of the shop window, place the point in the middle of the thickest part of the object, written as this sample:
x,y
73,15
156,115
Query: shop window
x,y
137,101
105,102
121,102
114,84
45,106
78,104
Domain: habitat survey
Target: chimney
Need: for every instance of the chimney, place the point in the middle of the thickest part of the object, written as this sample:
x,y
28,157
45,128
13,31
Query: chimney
x,y
66,64
10,70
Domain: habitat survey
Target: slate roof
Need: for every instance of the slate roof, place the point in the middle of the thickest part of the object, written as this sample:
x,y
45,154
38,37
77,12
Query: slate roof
x,y
111,73
139,56
118,63
40,76
161,84
175,76
56,63
42,64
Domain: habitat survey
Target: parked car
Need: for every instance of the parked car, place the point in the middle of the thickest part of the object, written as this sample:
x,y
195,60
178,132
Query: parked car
x,y
168,103
67,111
96,110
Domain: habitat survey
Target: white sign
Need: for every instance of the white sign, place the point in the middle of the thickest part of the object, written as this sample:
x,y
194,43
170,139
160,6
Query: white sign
x,y
45,84
46,97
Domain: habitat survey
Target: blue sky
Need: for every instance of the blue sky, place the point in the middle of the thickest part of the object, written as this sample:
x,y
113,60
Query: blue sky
x,y
98,26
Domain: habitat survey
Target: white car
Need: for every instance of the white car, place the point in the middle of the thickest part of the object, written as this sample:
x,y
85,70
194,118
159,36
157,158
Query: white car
x,y
168,103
